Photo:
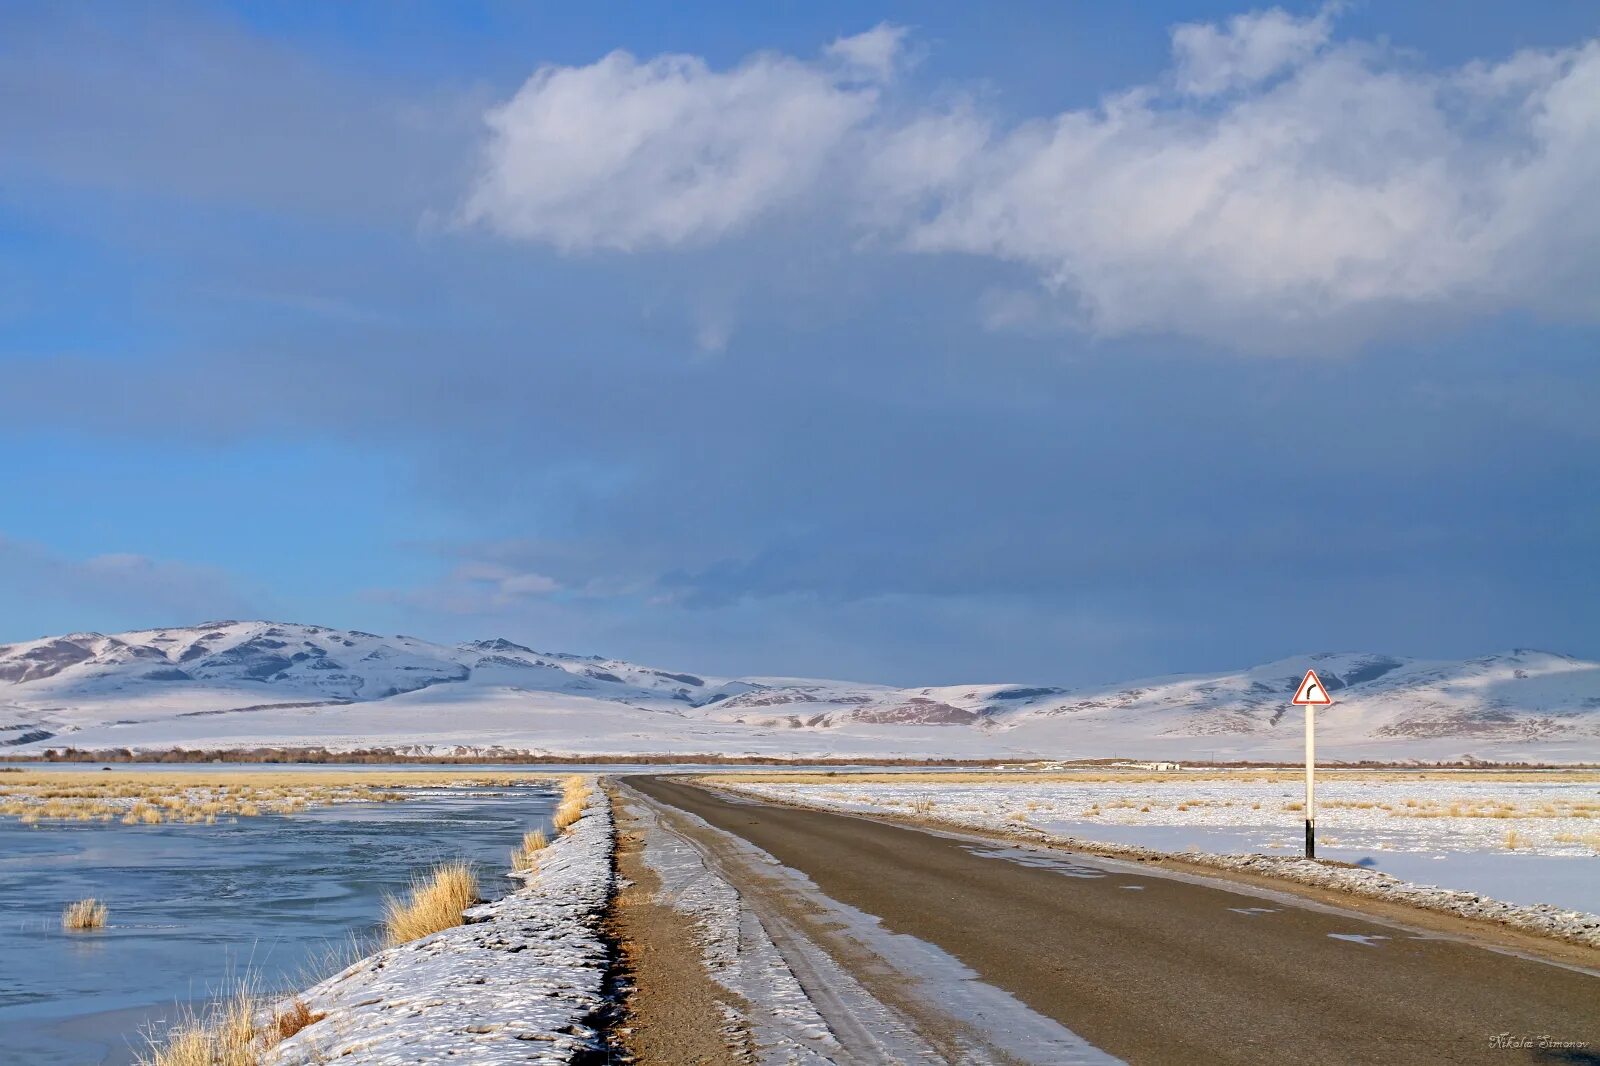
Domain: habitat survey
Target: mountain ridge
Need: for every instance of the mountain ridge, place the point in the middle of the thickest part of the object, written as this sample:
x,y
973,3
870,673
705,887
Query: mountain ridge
x,y
276,682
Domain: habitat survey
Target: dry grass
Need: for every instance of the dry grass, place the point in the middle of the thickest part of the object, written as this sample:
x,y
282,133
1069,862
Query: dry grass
x,y
204,796
435,902
1513,840
525,856
575,794
566,817
85,914
923,804
1588,840
1487,807
227,1036
240,1030
293,1018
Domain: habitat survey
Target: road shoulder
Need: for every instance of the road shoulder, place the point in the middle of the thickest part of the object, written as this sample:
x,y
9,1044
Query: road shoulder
x,y
825,983
673,1012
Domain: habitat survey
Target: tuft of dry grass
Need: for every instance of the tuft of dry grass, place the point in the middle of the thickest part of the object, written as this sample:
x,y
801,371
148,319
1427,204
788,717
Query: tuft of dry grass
x,y
575,793
566,816
85,914
228,1036
293,1018
240,1030
1513,840
525,856
435,902
923,804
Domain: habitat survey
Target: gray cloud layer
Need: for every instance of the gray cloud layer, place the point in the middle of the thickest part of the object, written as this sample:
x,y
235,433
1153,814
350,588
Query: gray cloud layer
x,y
732,394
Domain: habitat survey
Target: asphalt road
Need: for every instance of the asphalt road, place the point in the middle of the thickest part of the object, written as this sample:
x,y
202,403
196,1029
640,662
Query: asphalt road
x,y
1159,970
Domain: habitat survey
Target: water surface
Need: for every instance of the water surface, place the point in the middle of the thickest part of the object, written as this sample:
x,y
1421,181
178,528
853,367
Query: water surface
x,y
283,897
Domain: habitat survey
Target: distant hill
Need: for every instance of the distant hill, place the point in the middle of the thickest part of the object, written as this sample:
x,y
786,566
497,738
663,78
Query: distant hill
x,y
249,684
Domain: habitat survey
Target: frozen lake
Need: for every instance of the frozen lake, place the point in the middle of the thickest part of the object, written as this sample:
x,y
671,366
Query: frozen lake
x,y
193,907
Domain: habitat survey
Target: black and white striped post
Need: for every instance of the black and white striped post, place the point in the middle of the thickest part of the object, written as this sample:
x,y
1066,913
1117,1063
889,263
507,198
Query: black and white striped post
x,y
1311,694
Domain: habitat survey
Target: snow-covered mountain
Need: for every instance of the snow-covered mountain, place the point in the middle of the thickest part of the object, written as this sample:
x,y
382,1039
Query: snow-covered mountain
x,y
249,684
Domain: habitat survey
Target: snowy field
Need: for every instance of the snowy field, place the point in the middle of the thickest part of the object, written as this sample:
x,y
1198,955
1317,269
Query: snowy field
x,y
1522,838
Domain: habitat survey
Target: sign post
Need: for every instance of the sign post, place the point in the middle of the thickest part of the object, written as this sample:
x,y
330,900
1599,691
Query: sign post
x,y
1311,694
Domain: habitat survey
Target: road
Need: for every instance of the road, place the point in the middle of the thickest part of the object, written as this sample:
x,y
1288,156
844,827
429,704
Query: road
x,y
1157,969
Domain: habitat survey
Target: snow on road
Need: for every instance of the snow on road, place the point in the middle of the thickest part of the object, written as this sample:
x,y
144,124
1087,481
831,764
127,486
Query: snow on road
x,y
805,1005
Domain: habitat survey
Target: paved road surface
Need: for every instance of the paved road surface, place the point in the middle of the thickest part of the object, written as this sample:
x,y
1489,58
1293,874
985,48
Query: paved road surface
x,y
1159,970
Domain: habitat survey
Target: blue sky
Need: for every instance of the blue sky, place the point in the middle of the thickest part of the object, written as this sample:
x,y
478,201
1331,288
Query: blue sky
x,y
919,343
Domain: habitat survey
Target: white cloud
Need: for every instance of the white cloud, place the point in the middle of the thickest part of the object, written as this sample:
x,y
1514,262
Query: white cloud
x,y
1212,59
1276,188
476,587
630,154
872,55
498,586
1320,208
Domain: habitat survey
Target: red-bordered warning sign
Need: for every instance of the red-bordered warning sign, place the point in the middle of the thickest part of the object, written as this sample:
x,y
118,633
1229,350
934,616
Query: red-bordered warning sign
x,y
1312,692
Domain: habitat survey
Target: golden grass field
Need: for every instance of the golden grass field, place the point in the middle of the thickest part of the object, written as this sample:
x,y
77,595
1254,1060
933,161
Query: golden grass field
x,y
141,797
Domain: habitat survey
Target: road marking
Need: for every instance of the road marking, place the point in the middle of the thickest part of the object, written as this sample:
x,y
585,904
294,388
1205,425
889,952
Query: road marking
x,y
1358,938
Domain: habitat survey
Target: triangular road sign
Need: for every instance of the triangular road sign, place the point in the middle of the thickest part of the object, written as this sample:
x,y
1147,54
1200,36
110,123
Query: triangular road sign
x,y
1311,692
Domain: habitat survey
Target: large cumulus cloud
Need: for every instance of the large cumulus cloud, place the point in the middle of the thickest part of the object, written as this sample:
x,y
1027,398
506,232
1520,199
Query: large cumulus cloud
x,y
1277,188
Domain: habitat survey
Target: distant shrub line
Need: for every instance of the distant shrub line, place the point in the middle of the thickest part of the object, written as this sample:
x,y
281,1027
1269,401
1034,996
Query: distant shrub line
x,y
391,757
386,756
